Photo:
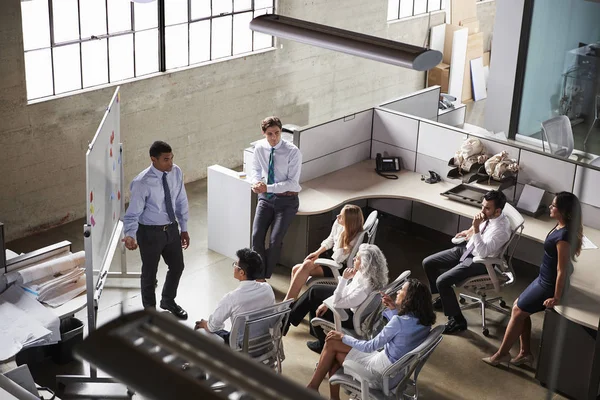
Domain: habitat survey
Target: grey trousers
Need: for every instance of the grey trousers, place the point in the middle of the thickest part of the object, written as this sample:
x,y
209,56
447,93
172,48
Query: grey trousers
x,y
153,243
444,270
277,213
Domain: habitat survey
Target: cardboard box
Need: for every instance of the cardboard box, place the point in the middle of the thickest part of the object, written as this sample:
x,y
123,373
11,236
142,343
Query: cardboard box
x,y
439,75
474,50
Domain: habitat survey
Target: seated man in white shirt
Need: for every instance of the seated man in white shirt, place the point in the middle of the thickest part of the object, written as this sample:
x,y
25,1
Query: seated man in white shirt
x,y
249,296
489,232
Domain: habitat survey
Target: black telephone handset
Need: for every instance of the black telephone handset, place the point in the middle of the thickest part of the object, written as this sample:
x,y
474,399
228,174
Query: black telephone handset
x,y
434,177
387,164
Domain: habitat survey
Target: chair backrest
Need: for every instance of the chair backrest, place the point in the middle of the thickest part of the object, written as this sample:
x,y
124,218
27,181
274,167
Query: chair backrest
x,y
370,226
558,134
397,376
368,232
516,227
259,332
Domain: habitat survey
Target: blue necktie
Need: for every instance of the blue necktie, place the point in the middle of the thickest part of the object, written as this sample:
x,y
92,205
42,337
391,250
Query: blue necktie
x,y
271,177
168,201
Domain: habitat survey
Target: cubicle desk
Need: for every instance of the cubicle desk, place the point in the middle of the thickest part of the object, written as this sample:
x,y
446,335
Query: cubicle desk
x,y
580,304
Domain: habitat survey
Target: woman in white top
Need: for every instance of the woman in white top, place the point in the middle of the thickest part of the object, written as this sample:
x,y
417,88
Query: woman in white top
x,y
344,232
369,273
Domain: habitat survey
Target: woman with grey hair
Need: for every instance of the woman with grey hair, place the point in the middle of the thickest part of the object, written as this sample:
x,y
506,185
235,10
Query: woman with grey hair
x,y
369,273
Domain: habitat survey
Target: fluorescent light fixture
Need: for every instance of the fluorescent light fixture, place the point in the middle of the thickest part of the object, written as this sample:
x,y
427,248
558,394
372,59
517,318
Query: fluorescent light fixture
x,y
358,44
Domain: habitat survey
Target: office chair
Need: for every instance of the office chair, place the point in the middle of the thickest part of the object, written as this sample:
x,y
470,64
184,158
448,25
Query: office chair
x,y
500,273
397,381
368,233
258,334
557,133
596,112
368,307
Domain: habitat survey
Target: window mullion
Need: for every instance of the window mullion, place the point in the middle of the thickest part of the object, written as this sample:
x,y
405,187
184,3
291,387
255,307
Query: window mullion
x,y
162,59
80,46
188,26
232,14
51,17
210,33
133,35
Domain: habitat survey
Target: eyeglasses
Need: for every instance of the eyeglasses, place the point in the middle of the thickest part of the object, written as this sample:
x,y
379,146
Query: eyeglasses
x,y
235,265
551,206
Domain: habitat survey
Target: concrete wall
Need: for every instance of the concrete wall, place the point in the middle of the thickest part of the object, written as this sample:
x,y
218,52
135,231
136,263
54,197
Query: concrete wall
x,y
208,114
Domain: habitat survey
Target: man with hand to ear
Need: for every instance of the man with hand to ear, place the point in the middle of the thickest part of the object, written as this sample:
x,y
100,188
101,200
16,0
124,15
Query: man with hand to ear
x,y
158,208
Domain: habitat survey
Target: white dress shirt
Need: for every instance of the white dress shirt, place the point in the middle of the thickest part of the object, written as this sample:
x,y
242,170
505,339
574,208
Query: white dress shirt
x,y
249,296
490,242
287,165
353,294
333,242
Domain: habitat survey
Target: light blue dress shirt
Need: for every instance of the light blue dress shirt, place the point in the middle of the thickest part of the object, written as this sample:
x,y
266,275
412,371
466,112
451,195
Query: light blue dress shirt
x,y
147,202
402,334
287,165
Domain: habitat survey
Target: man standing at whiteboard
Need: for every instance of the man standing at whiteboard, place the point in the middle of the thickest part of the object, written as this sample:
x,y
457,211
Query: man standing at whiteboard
x,y
158,207
275,177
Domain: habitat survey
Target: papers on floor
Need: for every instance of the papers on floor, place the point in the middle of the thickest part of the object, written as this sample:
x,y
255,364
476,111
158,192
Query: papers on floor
x,y
55,281
587,244
31,324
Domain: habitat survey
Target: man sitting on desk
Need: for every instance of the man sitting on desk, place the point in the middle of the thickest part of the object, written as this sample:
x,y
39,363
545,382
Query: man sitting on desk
x,y
275,176
249,296
489,232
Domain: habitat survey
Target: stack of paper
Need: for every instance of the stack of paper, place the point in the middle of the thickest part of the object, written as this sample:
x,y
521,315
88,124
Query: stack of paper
x,y
55,281
31,324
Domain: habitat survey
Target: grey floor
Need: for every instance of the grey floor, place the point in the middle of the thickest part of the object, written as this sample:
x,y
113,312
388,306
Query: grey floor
x,y
454,371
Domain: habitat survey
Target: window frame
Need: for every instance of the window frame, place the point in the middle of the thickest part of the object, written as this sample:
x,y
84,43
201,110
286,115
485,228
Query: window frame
x,y
161,33
427,2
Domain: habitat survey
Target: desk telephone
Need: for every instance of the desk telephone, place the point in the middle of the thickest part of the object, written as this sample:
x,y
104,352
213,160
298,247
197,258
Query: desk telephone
x,y
387,164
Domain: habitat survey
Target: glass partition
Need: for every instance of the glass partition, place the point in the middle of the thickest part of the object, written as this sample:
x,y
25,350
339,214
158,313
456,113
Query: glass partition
x,y
562,78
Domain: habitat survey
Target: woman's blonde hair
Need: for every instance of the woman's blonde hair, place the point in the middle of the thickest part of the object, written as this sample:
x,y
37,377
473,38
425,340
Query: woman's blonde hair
x,y
373,266
353,225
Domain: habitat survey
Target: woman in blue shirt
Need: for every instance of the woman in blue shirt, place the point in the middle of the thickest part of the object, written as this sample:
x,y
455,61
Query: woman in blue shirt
x,y
410,319
562,244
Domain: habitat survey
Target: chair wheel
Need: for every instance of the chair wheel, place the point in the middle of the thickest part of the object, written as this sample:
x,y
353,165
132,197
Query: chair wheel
x,y
485,332
462,300
502,304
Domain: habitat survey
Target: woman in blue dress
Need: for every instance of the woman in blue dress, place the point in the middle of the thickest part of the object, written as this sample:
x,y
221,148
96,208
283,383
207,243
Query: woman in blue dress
x,y
562,244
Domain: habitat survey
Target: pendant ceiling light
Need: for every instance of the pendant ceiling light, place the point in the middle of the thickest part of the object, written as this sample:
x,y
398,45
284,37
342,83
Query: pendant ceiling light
x,y
358,44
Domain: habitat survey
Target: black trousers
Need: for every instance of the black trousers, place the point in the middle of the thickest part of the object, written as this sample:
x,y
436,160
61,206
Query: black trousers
x,y
308,304
276,213
444,269
155,242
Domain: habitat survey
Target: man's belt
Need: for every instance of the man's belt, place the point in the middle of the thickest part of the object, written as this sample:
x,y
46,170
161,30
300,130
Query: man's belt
x,y
287,194
159,227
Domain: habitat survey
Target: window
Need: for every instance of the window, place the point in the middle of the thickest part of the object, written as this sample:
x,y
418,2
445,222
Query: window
x,y
398,9
75,44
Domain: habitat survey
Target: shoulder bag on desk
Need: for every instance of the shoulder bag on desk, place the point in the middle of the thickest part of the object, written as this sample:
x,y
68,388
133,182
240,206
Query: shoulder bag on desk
x,y
387,164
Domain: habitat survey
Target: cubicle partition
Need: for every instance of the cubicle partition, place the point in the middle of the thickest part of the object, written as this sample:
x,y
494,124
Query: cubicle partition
x,y
335,144
423,103
424,145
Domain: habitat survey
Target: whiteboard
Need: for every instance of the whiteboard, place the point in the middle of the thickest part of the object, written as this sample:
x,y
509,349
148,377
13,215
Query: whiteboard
x,y
104,185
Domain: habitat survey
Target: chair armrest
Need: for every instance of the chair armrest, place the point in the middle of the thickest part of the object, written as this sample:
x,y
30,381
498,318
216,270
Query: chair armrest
x,y
328,263
339,314
489,263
